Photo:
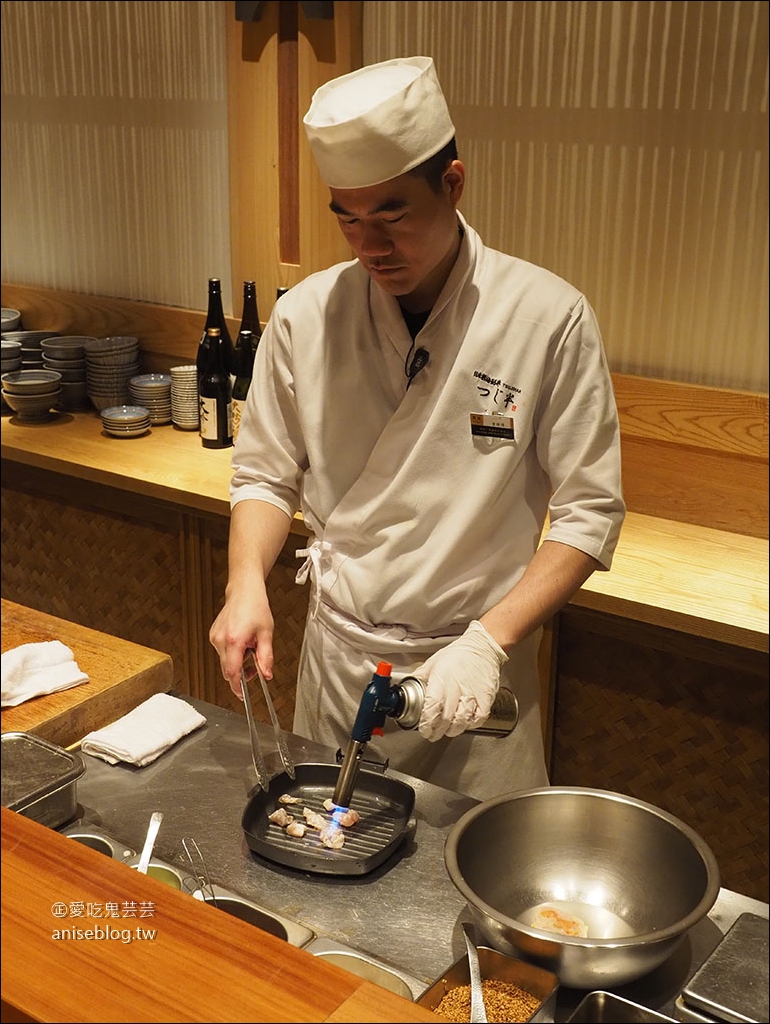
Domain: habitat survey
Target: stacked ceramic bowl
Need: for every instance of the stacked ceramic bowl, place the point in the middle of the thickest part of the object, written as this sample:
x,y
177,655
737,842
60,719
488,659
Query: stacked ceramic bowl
x,y
110,365
11,355
31,352
126,420
67,355
32,394
11,319
153,390
185,411
11,362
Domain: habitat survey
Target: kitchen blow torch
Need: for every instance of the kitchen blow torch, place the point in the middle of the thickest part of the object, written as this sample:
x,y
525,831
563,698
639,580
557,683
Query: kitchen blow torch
x,y
403,701
380,699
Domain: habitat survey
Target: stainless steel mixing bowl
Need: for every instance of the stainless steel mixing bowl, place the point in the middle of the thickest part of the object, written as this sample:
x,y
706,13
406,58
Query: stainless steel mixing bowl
x,y
636,876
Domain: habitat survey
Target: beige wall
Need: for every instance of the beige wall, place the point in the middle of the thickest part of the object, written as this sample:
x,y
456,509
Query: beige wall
x,y
114,146
623,145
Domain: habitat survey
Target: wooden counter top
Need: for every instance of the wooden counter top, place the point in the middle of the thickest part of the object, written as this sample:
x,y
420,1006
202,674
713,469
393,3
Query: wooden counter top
x,y
202,964
167,463
120,676
704,582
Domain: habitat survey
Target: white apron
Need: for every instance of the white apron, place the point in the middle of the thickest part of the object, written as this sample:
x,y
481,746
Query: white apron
x,y
339,656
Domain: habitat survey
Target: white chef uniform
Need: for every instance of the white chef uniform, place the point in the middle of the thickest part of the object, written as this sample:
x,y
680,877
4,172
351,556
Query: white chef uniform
x,y
421,524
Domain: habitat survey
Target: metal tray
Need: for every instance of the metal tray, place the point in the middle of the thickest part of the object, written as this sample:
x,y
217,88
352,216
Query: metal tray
x,y
385,807
732,984
539,982
39,779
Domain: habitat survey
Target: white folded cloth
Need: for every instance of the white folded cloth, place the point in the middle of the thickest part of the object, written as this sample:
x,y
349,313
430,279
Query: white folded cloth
x,y
145,733
32,670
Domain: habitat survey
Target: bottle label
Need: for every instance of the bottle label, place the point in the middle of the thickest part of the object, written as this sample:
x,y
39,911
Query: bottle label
x,y
209,428
238,407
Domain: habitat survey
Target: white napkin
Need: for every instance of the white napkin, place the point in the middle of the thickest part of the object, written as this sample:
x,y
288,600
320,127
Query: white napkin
x,y
32,670
145,733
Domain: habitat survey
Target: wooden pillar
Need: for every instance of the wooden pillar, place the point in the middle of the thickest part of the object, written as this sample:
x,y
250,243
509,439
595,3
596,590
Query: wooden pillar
x,y
281,228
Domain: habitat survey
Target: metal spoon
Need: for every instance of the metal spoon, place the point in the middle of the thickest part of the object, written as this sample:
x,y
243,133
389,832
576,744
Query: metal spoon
x,y
149,842
478,1010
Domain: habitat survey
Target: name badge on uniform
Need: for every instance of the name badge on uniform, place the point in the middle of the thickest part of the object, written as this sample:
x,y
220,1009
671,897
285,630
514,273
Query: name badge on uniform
x,y
483,425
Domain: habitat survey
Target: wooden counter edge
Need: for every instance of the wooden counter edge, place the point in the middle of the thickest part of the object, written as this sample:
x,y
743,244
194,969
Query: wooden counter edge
x,y
65,716
204,966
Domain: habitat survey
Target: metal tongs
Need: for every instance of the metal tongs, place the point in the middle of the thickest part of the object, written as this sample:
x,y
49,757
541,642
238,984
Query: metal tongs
x,y
249,670
203,890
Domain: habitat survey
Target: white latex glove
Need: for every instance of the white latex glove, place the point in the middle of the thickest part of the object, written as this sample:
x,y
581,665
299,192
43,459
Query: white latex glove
x,y
461,682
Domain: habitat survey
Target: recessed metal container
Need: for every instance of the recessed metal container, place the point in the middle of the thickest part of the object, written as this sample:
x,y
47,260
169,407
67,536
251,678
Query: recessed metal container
x,y
598,1007
247,910
39,779
367,967
537,981
97,839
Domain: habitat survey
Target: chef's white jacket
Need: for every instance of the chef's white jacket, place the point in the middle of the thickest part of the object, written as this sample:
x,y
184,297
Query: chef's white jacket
x,y
423,520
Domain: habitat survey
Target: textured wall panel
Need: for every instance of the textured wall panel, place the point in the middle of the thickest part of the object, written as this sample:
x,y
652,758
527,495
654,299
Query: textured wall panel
x,y
623,146
684,735
114,138
103,570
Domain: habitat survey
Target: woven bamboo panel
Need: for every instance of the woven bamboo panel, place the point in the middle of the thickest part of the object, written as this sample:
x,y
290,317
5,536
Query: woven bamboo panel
x,y
64,560
289,602
686,736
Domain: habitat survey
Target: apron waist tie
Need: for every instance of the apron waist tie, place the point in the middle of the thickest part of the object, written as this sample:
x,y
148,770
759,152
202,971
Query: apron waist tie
x,y
311,567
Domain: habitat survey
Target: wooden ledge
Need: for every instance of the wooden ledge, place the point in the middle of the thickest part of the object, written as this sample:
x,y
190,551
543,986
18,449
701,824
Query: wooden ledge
x,y
700,581
708,582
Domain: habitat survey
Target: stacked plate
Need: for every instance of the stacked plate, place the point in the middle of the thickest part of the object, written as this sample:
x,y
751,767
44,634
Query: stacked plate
x,y
110,365
31,352
126,420
32,394
67,356
185,411
153,390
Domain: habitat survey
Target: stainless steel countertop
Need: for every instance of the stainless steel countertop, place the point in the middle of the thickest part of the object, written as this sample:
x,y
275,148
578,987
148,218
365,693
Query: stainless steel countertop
x,y
406,913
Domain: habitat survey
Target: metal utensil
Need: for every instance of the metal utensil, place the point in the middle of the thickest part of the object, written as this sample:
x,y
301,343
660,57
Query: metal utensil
x,y
280,740
256,751
478,1010
149,842
204,889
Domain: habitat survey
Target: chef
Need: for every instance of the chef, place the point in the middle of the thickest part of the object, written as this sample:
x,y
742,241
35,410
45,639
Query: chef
x,y
425,405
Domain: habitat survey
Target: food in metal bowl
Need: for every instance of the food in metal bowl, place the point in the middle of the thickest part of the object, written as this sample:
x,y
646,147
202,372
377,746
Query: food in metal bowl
x,y
635,876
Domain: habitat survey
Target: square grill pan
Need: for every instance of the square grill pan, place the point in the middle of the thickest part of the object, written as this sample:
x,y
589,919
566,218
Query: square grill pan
x,y
385,807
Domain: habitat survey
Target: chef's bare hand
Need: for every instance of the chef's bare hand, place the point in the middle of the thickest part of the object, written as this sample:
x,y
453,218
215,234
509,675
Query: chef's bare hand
x,y
461,682
245,621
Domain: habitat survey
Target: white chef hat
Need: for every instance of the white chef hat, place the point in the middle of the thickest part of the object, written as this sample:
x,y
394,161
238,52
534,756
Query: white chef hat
x,y
378,122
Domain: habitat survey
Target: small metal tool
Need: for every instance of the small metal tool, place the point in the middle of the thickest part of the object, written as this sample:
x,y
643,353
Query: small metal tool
x,y
280,739
203,890
149,842
478,1010
256,751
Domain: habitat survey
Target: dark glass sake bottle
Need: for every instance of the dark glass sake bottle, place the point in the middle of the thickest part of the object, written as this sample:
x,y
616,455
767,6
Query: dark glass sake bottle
x,y
245,350
215,394
215,317
250,315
